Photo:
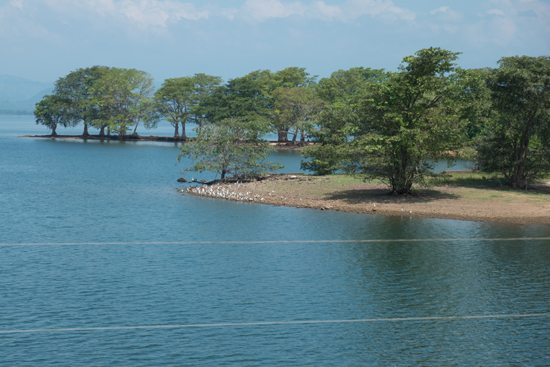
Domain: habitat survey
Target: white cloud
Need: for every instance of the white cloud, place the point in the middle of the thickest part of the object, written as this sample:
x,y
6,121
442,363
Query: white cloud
x,y
495,12
17,4
357,8
324,11
261,10
143,13
160,13
442,9
264,9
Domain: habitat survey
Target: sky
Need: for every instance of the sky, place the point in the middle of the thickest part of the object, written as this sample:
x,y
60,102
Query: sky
x,y
43,40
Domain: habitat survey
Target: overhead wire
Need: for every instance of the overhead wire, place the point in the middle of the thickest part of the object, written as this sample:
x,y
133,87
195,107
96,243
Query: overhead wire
x,y
273,323
272,242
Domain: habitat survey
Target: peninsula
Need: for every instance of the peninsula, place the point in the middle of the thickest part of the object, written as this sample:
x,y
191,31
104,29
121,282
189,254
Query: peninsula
x,y
463,196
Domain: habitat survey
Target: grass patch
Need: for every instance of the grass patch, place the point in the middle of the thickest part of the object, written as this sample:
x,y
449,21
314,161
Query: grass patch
x,y
471,179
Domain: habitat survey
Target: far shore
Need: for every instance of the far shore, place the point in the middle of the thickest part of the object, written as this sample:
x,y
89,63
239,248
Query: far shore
x,y
466,196
274,144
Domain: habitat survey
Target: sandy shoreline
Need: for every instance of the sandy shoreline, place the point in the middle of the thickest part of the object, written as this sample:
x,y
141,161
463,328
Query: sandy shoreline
x,y
445,202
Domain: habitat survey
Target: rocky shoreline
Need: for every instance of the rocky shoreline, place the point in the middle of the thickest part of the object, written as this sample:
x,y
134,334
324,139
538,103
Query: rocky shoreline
x,y
328,193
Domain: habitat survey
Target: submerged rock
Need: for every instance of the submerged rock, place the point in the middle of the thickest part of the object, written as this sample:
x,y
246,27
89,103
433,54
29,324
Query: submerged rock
x,y
182,179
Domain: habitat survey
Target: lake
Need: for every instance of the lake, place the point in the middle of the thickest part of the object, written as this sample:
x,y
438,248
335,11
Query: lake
x,y
124,255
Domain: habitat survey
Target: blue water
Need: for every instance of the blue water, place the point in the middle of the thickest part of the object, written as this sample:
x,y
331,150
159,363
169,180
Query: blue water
x,y
80,192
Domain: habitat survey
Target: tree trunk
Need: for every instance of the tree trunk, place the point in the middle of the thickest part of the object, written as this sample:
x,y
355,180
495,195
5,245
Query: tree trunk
x,y
519,175
223,174
176,133
108,131
54,133
102,131
401,182
294,137
183,130
85,133
283,136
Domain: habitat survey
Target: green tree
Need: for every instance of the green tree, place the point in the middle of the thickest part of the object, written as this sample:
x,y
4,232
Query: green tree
x,y
348,86
123,99
519,144
412,116
331,151
53,111
474,97
181,100
204,85
230,146
294,111
246,98
174,101
77,88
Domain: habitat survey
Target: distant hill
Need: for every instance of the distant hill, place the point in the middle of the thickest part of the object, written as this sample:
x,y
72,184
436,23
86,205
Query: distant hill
x,y
19,95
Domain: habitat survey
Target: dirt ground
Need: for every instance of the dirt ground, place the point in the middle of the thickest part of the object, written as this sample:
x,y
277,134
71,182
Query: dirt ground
x,y
352,195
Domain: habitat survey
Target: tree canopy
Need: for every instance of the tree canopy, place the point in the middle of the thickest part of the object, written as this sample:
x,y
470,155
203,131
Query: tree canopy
x,y
518,145
53,111
412,116
231,146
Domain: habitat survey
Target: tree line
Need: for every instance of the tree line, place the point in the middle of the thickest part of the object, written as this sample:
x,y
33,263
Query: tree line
x,y
381,124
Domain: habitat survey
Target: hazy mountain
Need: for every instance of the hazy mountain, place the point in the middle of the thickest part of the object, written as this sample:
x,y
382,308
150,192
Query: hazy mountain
x,y
19,95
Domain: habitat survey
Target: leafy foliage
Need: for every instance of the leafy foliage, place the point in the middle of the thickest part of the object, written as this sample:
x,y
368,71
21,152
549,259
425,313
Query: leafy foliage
x,y
53,111
246,98
179,99
519,144
346,87
294,111
230,146
410,117
123,98
77,87
331,151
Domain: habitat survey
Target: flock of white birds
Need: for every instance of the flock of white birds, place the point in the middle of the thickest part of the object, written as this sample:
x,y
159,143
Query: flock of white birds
x,y
230,192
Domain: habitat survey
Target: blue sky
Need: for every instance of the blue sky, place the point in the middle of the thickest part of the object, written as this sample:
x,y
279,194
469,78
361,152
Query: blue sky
x,y
45,39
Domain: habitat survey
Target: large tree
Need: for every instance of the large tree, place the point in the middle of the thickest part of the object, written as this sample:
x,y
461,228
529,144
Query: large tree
x,y
294,111
204,85
411,117
231,146
174,101
181,100
519,143
77,87
53,111
246,98
122,99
